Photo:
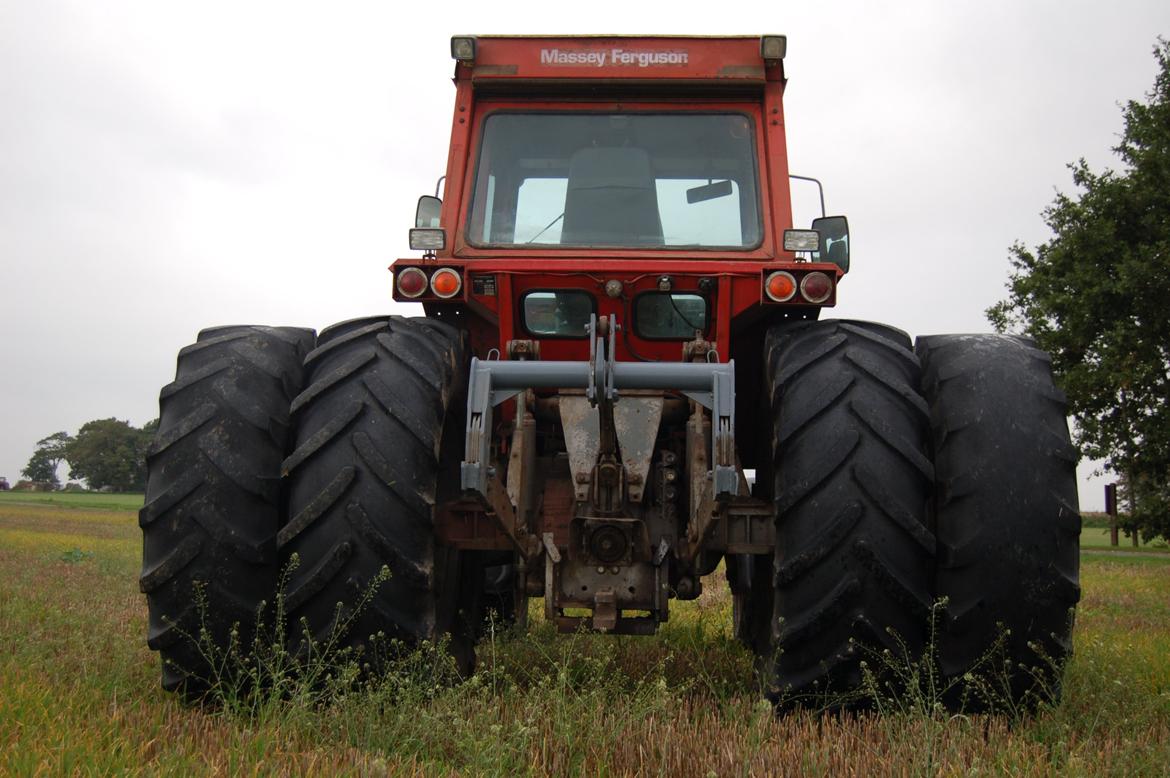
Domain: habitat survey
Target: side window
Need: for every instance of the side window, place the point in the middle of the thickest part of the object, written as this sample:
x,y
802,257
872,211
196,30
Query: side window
x,y
659,315
560,314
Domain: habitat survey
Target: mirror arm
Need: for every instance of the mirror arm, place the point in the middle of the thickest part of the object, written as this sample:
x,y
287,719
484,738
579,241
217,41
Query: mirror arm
x,y
820,189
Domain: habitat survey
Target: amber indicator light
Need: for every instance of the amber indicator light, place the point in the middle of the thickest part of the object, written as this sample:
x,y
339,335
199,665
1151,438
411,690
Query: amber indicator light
x,y
446,282
780,286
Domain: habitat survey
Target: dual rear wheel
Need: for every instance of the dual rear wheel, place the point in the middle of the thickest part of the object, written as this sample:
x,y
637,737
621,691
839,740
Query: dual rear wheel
x,y
305,470
925,500
927,529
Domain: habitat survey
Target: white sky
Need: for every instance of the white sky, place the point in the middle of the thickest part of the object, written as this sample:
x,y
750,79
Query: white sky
x,y
167,166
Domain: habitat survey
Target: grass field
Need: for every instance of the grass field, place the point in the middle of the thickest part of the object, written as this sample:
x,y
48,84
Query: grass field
x,y
82,500
79,691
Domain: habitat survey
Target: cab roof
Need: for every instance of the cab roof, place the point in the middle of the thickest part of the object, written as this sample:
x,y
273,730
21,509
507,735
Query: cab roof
x,y
550,59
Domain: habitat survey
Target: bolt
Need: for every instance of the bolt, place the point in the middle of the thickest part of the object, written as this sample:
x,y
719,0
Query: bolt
x,y
582,478
601,568
670,475
614,570
635,478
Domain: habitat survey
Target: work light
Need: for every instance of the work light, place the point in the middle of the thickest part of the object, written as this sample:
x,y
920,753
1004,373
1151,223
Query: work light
x,y
463,48
773,47
802,240
428,240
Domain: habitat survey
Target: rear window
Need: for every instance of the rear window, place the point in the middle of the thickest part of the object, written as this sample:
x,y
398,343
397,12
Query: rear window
x,y
557,314
673,316
616,180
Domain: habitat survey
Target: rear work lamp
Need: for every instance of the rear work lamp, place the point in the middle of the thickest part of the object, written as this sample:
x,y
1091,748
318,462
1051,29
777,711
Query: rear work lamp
x,y
463,48
802,240
773,47
428,239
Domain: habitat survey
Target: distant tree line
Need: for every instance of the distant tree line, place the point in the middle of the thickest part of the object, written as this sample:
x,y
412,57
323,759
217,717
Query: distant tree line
x,y
107,453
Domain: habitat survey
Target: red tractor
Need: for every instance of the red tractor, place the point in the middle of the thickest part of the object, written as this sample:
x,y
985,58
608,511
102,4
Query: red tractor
x,y
621,326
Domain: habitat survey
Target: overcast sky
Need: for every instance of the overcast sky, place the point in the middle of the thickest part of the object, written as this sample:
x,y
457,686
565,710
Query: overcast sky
x,y
166,167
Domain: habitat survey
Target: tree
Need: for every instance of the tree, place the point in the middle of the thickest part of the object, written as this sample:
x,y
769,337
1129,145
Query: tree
x,y
109,452
42,465
1096,296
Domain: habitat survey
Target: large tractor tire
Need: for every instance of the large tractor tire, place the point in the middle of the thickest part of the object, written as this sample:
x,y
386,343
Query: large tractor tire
x,y
376,425
213,499
852,481
1007,520
749,577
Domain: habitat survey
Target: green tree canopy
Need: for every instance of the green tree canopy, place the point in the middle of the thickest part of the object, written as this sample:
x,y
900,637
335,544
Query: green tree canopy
x,y
110,452
42,465
1097,297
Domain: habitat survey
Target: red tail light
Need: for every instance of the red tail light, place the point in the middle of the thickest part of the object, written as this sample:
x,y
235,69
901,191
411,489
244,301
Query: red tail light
x,y
412,282
816,287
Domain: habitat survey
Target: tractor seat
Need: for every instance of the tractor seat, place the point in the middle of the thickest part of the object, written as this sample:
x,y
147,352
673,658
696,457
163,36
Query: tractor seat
x,y
611,199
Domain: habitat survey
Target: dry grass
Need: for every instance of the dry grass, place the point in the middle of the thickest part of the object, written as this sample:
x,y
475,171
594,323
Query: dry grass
x,y
79,692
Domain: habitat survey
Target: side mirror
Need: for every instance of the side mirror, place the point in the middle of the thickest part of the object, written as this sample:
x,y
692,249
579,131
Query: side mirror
x,y
426,215
834,232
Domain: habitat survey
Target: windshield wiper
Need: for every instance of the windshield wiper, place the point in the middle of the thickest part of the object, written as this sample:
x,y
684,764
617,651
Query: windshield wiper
x,y
554,221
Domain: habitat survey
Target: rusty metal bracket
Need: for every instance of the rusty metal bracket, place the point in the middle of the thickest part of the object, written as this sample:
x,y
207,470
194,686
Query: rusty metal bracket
x,y
551,560
636,421
522,462
495,502
605,611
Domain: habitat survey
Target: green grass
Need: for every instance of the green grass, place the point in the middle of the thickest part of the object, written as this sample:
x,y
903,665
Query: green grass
x,y
82,500
79,691
1093,538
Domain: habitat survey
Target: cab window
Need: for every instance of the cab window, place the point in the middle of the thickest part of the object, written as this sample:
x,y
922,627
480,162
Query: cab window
x,y
557,314
669,316
616,180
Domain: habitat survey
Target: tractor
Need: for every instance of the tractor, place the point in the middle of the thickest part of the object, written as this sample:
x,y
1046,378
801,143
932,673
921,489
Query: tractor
x,y
621,384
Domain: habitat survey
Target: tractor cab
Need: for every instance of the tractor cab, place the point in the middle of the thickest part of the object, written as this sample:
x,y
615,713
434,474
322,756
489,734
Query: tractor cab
x,y
640,178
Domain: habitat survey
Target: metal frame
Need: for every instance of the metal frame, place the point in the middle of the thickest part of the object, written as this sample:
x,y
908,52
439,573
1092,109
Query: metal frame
x,y
711,384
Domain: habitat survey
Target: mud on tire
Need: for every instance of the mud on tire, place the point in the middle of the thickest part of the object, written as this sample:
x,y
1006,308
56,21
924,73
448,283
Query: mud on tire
x,y
1007,517
213,497
364,475
852,480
